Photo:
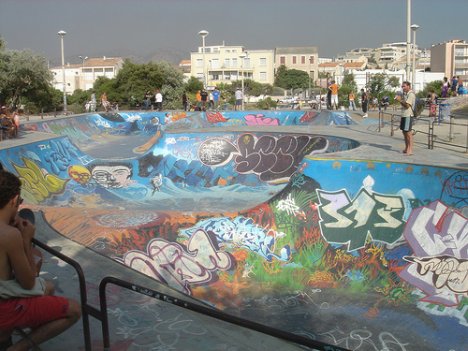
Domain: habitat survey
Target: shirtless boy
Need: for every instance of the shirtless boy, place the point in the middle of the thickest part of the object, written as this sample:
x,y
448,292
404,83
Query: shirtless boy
x,y
26,301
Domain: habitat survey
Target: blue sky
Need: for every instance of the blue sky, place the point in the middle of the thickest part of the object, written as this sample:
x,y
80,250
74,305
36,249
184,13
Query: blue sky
x,y
143,28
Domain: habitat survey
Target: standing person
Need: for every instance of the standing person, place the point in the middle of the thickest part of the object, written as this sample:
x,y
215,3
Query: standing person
x,y
364,103
445,88
352,104
432,104
185,101
204,99
26,301
334,94
93,103
104,102
158,98
147,100
454,85
216,94
407,101
239,97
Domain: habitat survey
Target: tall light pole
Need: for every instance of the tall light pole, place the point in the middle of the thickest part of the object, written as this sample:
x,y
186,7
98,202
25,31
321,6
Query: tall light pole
x,y
414,28
83,59
242,56
203,33
408,37
61,35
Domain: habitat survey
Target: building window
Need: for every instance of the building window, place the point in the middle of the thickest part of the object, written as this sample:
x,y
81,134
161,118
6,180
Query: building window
x,y
263,61
263,76
311,60
282,60
199,63
227,62
303,60
294,60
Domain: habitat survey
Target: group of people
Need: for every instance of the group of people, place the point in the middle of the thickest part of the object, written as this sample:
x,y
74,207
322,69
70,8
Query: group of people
x,y
204,100
26,300
153,100
453,87
9,122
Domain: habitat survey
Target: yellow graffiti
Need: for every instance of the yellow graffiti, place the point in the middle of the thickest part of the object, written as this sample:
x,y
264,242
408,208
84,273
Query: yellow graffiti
x,y
36,184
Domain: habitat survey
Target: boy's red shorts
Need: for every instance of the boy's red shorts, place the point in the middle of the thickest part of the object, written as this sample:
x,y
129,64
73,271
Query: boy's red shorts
x,y
31,312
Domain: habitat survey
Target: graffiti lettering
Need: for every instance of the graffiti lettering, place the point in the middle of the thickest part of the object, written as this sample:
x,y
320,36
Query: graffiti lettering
x,y
215,152
289,206
242,232
38,186
446,271
350,222
168,262
437,235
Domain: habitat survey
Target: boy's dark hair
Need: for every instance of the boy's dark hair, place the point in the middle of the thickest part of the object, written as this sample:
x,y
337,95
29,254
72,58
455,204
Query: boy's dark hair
x,y
10,186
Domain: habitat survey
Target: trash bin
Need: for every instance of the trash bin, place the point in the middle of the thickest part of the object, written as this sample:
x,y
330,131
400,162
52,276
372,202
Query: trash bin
x,y
444,112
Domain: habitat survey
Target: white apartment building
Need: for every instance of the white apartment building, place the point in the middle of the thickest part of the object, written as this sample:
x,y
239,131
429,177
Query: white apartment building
x,y
303,58
224,64
451,58
83,75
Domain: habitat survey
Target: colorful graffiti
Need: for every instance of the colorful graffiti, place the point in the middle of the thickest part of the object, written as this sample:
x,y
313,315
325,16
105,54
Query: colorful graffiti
x,y
366,255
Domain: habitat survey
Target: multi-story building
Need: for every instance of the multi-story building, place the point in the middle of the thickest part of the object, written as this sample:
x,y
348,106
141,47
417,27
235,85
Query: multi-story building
x,y
451,58
83,75
224,64
303,58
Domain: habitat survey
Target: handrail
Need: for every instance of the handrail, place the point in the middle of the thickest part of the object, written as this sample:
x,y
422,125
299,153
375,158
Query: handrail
x,y
281,334
86,309
432,138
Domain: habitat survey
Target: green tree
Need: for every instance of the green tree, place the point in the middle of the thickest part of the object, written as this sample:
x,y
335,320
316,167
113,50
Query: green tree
x,y
291,78
348,85
193,85
24,78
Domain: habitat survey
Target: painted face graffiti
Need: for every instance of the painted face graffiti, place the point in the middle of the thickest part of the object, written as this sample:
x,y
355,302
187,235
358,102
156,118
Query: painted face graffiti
x,y
112,177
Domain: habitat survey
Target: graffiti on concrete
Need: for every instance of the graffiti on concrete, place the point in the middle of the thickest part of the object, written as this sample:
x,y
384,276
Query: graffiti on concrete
x,y
270,157
179,267
438,237
351,222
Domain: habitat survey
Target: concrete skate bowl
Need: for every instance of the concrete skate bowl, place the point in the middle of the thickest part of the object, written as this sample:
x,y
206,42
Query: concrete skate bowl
x,y
366,255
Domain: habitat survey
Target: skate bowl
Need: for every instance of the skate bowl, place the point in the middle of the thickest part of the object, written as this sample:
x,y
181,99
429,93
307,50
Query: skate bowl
x,y
263,223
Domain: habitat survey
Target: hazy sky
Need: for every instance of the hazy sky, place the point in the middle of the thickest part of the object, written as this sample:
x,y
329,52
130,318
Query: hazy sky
x,y
142,28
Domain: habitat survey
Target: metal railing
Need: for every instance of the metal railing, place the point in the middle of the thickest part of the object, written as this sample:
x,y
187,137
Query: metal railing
x,y
439,131
245,323
102,315
86,309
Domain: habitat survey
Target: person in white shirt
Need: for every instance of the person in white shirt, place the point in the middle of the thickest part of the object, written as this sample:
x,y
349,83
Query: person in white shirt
x,y
407,102
239,96
158,98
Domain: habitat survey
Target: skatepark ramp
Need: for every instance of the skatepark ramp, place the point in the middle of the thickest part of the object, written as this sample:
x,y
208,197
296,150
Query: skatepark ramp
x,y
281,228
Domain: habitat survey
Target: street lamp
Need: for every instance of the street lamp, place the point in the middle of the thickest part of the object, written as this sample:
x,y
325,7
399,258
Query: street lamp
x,y
414,28
408,37
242,56
61,35
83,59
203,33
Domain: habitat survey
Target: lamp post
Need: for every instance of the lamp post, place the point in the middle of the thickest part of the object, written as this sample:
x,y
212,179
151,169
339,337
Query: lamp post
x,y
414,28
203,33
83,59
61,35
408,37
242,57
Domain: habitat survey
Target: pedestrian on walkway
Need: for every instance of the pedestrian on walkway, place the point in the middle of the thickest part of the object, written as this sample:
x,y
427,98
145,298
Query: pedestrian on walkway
x,y
407,101
364,102
352,104
334,94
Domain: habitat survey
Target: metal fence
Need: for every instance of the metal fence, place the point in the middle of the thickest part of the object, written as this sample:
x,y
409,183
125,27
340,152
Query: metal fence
x,y
445,130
